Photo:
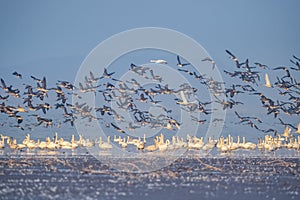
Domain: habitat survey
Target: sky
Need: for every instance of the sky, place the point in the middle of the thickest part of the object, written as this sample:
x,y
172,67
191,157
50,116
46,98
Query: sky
x,y
54,37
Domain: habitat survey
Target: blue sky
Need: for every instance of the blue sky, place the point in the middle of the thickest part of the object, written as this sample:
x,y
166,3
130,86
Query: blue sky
x,y
33,32
53,37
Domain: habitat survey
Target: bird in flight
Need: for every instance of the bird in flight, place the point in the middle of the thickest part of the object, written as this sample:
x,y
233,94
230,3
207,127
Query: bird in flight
x,y
17,74
233,57
210,60
179,64
159,61
268,82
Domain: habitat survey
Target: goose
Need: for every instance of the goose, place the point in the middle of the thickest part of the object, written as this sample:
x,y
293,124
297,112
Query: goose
x,y
18,75
234,58
105,145
179,64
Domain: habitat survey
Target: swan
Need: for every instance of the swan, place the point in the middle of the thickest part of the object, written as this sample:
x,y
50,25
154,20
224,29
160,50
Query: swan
x,y
233,145
31,144
51,145
298,128
163,147
141,145
105,145
123,143
196,143
65,144
151,147
223,145
248,145
42,144
119,139
12,143
2,142
210,145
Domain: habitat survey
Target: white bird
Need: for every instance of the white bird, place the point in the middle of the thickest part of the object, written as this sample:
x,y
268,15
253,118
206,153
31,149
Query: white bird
x,y
184,100
298,128
268,83
105,145
159,61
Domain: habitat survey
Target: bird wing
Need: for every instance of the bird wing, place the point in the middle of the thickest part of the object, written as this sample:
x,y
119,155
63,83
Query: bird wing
x,y
3,83
178,60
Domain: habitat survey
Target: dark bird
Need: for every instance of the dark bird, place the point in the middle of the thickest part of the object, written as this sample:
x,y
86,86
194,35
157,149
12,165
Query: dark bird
x,y
186,71
106,74
179,64
285,69
36,79
3,98
287,124
117,128
261,65
17,74
235,59
200,121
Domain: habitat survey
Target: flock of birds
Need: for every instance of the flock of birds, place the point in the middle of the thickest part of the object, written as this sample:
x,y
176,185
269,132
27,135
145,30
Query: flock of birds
x,y
131,96
160,144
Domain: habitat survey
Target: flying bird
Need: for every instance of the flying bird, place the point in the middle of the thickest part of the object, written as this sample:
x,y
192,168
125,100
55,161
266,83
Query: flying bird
x,y
17,74
268,83
235,59
179,64
159,61
210,60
